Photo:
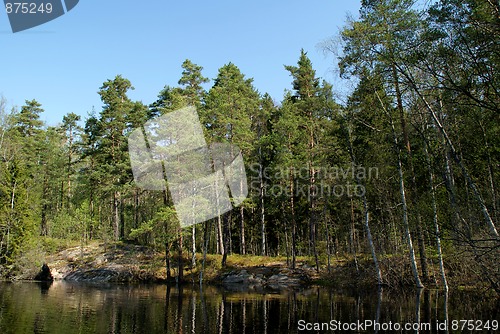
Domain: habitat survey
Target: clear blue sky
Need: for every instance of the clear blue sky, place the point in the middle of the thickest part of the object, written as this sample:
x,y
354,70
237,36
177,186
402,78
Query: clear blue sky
x,y
63,63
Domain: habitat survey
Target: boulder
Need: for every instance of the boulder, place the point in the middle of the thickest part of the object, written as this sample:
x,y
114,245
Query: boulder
x,y
114,273
282,281
44,275
274,280
243,278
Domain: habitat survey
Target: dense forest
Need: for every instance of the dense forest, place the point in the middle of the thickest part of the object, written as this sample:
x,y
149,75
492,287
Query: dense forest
x,y
408,166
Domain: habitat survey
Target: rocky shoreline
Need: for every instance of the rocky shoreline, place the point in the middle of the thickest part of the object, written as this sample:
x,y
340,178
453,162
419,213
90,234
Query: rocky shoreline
x,y
265,278
136,264
252,278
128,263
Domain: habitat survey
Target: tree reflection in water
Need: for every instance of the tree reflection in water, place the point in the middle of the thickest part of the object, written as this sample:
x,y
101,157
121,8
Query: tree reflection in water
x,y
69,308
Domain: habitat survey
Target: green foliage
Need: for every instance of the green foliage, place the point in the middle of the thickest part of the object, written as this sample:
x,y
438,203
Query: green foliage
x,y
162,228
28,121
69,226
229,107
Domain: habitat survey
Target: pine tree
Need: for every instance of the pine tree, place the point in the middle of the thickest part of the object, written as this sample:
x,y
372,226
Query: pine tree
x,y
230,105
262,156
192,84
170,99
112,150
28,119
71,130
314,107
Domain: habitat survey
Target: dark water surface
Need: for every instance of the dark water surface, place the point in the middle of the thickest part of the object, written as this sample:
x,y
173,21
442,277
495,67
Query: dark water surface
x,y
76,308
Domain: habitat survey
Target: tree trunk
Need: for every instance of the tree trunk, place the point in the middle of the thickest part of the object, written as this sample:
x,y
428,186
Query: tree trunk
x,y
136,207
287,242
167,243
167,260
435,217
122,219
352,241
180,261
220,234
413,183
366,215
70,159
205,247
262,208
193,246
490,173
229,238
370,241
312,191
242,231
458,160
402,191
92,214
116,216
61,196
328,246
294,223
225,232
414,267
450,188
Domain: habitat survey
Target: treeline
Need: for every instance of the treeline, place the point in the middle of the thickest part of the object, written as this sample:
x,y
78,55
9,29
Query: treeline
x,y
409,164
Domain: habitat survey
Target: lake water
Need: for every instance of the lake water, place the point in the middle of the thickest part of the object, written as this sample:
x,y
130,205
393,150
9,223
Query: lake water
x,y
78,308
